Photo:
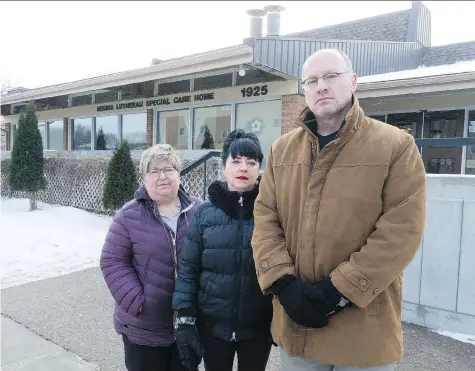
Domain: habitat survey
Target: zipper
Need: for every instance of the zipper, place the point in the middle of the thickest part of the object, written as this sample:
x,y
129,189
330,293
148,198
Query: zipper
x,y
238,277
169,233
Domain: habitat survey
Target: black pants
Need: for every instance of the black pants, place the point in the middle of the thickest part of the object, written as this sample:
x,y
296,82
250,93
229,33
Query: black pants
x,y
252,354
146,358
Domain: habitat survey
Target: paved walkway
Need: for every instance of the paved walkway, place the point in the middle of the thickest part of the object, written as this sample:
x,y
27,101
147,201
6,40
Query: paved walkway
x,y
22,349
75,312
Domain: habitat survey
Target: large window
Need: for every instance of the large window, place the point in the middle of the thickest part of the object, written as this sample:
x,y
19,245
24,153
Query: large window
x,y
81,133
55,134
211,127
263,119
134,129
443,124
470,166
173,128
107,132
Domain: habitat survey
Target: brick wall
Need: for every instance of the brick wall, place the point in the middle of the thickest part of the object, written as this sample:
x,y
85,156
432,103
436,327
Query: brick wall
x,y
386,27
65,133
149,134
292,106
448,54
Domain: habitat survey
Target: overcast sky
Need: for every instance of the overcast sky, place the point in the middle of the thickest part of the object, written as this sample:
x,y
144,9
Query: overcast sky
x,y
46,43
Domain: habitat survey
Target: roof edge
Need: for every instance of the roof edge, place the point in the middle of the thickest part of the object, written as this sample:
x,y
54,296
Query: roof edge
x,y
415,85
168,68
349,22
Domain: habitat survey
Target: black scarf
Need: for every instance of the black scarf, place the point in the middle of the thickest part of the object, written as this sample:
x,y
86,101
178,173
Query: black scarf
x,y
228,201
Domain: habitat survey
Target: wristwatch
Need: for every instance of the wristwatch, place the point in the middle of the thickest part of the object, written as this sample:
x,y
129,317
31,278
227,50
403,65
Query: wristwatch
x,y
185,321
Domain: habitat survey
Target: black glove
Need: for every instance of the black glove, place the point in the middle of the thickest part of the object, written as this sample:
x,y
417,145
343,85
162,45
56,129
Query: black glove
x,y
189,346
327,298
296,296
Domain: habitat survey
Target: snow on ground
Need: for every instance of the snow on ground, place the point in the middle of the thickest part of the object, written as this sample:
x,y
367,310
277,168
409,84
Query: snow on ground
x,y
48,242
421,71
470,339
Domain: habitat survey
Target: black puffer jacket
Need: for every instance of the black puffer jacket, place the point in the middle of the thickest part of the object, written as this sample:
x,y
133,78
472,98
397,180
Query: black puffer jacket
x,y
217,278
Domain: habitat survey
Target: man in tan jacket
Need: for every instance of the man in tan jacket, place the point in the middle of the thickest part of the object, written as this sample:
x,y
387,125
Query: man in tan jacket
x,y
339,216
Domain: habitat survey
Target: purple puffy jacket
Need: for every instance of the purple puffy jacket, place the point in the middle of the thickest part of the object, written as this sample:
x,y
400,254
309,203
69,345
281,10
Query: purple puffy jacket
x,y
138,267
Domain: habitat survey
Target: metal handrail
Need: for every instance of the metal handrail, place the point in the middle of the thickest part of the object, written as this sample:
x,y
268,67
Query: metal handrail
x,y
198,162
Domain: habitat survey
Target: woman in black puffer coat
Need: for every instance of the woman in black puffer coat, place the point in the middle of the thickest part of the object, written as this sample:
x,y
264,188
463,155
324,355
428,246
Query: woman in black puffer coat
x,y
220,307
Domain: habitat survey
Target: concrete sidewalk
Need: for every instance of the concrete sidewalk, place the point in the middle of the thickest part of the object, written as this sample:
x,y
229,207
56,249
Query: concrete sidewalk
x,y
75,311
22,349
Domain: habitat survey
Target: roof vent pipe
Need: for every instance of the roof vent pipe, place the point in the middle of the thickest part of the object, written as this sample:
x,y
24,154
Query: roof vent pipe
x,y
256,21
273,19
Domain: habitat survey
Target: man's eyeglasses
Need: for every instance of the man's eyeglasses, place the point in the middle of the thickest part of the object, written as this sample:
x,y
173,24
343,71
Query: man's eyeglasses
x,y
155,173
313,81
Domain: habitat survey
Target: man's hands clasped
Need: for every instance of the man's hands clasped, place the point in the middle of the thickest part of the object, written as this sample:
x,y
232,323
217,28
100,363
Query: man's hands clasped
x,y
309,304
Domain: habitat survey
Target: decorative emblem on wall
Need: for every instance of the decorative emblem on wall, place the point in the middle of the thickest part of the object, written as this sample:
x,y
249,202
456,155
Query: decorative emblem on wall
x,y
255,126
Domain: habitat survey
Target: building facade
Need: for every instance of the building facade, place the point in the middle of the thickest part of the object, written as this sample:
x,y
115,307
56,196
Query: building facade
x,y
193,102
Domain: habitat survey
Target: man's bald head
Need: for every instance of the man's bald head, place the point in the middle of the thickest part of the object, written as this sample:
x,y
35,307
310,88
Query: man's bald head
x,y
328,82
336,52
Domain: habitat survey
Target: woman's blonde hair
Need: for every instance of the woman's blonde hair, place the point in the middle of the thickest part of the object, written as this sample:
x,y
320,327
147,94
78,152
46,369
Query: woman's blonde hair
x,y
159,152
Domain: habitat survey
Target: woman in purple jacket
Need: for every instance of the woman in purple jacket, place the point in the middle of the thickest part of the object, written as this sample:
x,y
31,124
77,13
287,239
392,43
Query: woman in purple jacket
x,y
139,261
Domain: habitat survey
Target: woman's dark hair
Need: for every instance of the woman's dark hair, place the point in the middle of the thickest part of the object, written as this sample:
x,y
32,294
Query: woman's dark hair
x,y
240,143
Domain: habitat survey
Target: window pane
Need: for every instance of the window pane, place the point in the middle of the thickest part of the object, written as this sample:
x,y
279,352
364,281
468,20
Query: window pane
x,y
173,128
81,100
13,136
107,132
134,129
470,166
108,96
213,82
263,119
81,134
211,127
55,135
42,128
3,143
137,90
409,122
175,87
443,124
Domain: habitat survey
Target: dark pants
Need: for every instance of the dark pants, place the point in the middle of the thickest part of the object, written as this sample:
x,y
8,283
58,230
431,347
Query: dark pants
x,y
146,358
252,354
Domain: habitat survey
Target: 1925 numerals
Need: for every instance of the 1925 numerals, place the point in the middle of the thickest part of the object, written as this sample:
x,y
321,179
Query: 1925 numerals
x,y
254,91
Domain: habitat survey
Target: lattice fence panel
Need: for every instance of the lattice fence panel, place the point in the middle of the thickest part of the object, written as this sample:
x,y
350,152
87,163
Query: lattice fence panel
x,y
80,182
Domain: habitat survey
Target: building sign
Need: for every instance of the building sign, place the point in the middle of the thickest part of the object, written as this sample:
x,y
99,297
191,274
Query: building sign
x,y
154,102
242,93
275,88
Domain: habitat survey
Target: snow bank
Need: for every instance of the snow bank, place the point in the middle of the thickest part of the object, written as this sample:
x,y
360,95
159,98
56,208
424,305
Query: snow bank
x,y
422,71
458,336
51,241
